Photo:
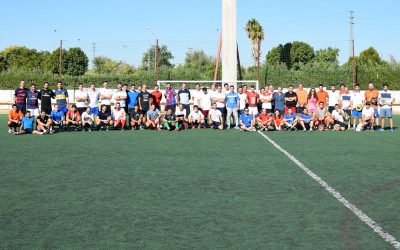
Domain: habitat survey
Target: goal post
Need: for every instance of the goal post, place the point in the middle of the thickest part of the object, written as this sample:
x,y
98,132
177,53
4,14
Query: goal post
x,y
176,84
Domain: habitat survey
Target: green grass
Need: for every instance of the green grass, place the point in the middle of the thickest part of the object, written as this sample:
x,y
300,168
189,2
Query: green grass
x,y
195,190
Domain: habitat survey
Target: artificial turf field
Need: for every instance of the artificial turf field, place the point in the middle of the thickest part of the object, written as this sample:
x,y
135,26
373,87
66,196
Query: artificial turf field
x,y
196,189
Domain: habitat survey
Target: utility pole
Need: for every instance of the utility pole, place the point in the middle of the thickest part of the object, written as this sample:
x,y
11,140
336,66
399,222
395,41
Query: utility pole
x,y
60,63
148,30
156,59
353,62
94,53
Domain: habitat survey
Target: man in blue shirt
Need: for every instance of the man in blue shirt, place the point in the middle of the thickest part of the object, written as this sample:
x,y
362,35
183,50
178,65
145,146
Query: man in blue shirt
x,y
57,116
61,95
27,125
290,120
232,107
247,121
279,100
306,119
133,97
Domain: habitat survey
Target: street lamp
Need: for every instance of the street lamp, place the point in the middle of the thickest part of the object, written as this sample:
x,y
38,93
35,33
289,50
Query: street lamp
x,y
54,40
148,31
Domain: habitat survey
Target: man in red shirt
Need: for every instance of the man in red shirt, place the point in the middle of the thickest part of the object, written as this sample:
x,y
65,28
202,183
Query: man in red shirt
x,y
252,100
264,120
322,95
156,95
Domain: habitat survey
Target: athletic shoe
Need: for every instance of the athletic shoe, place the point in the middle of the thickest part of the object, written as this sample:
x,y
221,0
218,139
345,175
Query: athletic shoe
x,y
236,127
89,129
122,129
10,131
140,128
381,129
391,130
107,129
253,130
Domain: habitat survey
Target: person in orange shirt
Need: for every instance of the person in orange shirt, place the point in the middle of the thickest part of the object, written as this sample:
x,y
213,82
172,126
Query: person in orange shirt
x,y
14,119
322,95
372,95
301,98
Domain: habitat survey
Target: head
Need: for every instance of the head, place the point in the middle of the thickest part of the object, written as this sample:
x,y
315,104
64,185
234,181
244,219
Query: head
x,y
14,107
291,88
133,87
196,108
342,87
226,86
46,85
156,88
59,85
271,88
22,84
119,86
300,87
262,90
125,86
245,88
88,109
321,87
92,87
169,111
232,88
105,84
305,111
168,85
139,87
73,107
80,86
290,111
367,105
277,112
321,105
205,90
136,108
214,106
219,89
333,88
240,90
180,107
56,107
279,90
183,85
252,88
197,86
144,87
246,111
385,87
117,106
357,87
311,93
28,114
212,87
43,114
152,107
346,90
337,107
371,86
33,87
263,111
103,108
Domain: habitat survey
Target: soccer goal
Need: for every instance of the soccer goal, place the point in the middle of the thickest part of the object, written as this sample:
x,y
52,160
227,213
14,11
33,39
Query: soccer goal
x,y
191,83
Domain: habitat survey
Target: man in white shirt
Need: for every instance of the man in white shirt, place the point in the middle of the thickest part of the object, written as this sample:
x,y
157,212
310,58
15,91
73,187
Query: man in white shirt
x,y
196,95
357,100
219,99
205,103
181,117
106,96
80,99
265,98
87,120
119,116
94,97
386,100
368,116
333,98
338,117
242,100
196,118
120,96
345,104
215,117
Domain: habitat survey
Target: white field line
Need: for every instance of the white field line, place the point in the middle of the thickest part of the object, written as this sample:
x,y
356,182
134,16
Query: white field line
x,y
360,214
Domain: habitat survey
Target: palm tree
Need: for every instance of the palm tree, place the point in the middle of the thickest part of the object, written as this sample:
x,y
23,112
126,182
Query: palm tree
x,y
256,35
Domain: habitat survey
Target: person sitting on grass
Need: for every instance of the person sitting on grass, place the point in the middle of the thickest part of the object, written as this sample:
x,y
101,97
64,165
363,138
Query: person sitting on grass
x,y
181,117
153,118
306,120
57,116
368,116
247,121
87,120
104,119
278,120
43,122
290,120
264,120
136,118
215,117
322,117
338,117
170,121
14,119
27,125
196,118
119,116
73,118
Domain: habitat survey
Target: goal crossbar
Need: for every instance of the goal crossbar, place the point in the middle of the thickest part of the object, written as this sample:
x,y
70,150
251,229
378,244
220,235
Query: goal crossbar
x,y
237,83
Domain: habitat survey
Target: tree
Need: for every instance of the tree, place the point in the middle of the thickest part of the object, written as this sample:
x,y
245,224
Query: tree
x,y
328,55
164,57
54,59
256,35
198,59
300,53
76,62
274,56
21,57
369,57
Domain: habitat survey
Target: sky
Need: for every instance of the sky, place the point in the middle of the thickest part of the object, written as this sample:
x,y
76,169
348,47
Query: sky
x,y
123,29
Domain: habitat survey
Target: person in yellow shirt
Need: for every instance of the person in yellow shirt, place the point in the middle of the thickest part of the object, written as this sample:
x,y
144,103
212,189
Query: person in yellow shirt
x,y
14,119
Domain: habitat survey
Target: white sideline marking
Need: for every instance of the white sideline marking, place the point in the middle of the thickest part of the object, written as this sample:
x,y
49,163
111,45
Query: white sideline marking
x,y
360,214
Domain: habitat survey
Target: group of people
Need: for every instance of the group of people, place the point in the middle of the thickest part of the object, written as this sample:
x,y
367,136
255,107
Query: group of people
x,y
218,107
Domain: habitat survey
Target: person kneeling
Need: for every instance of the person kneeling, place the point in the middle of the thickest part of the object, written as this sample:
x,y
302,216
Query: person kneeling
x,y
338,117
170,121
136,118
57,116
290,120
215,117
73,118
119,116
14,119
104,119
153,118
27,125
87,120
246,121
43,122
196,118
264,120
368,116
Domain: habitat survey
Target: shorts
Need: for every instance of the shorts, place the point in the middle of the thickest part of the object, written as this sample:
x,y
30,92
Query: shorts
x,y
348,112
341,124
81,110
253,110
187,107
322,122
13,125
22,107
216,124
292,108
356,113
28,131
223,111
376,113
95,111
46,109
387,112
34,112
144,111
205,113
64,109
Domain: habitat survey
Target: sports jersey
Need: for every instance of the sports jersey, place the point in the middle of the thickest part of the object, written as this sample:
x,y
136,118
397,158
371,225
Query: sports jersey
x,y
184,96
32,99
15,115
120,94
266,105
45,98
290,104
321,97
220,96
20,94
103,115
232,99
153,114
61,97
117,114
180,113
94,97
156,95
279,100
205,100
368,112
242,100
386,99
170,97
73,115
372,97
306,118
252,98
105,92
170,117
27,123
81,94
264,117
56,115
215,115
145,99
357,99
44,119
87,117
132,98
135,115
345,99
196,115
290,118
333,98
246,119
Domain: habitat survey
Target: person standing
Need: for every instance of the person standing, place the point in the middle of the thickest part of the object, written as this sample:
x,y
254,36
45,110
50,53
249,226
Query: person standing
x,y
197,93
333,98
279,100
219,99
242,100
184,98
205,104
301,98
170,98
265,99
252,100
357,105
156,95
32,100
145,101
81,98
290,100
386,100
322,95
94,97
46,94
120,96
312,101
106,96
62,97
345,105
20,95
232,107
133,97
